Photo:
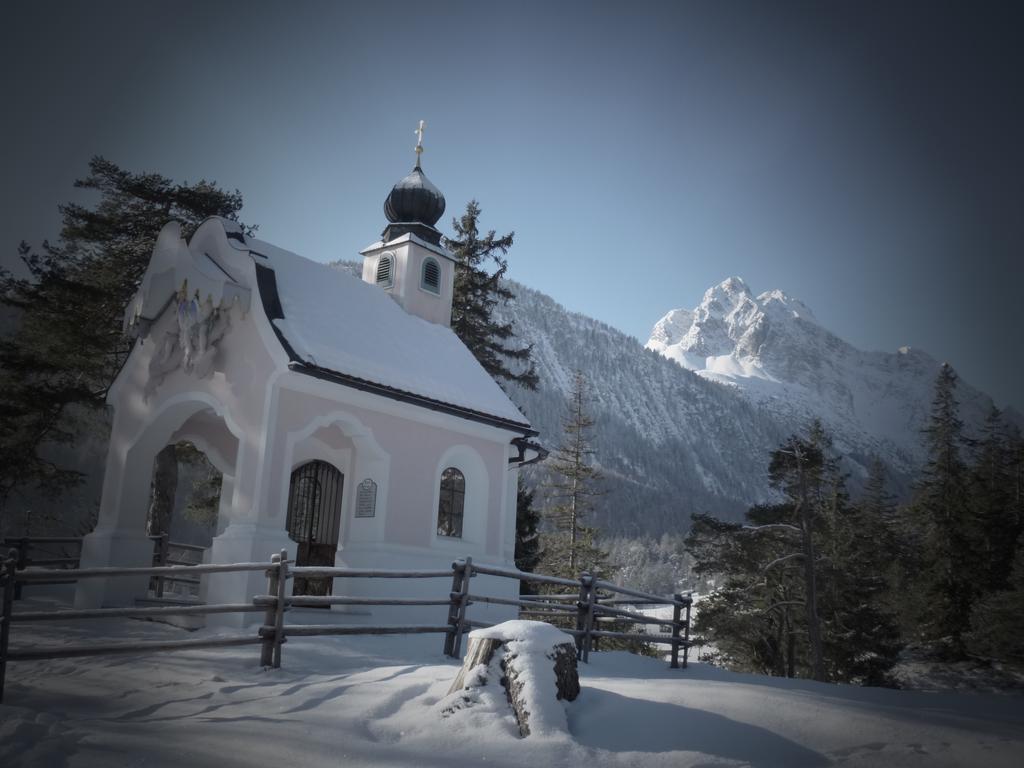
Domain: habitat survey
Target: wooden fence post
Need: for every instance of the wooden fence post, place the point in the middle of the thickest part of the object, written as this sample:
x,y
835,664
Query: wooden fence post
x,y
458,575
585,617
463,606
270,617
677,615
22,564
458,601
580,618
686,648
162,554
7,577
282,593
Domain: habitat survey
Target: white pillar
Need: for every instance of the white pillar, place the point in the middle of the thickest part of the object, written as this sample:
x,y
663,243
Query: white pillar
x,y
120,536
252,535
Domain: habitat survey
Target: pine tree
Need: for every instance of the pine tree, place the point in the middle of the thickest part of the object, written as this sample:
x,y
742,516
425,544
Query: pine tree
x,y
478,292
796,468
991,495
753,618
527,551
997,623
67,346
573,488
951,536
879,512
862,635
801,589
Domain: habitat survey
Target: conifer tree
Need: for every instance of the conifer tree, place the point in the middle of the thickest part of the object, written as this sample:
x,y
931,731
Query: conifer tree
x,y
754,617
67,345
991,495
478,292
951,536
573,488
879,512
862,635
796,468
527,551
997,623
801,591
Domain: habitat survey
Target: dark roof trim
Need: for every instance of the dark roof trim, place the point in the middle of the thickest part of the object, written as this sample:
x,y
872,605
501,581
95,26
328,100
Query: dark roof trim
x,y
523,445
266,284
398,228
219,267
408,397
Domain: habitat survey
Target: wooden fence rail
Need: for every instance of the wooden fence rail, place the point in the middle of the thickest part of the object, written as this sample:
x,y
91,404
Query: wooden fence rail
x,y
592,605
48,551
38,551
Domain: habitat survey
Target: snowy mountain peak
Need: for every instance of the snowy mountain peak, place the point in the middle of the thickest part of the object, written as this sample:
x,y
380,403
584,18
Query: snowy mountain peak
x,y
771,350
673,326
725,299
728,320
731,290
777,300
728,323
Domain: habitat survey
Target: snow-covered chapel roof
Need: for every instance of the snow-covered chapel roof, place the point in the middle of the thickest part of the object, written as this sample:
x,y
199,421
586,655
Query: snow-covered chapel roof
x,y
335,326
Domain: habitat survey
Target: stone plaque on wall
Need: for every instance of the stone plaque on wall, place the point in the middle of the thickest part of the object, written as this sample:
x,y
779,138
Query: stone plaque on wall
x,y
366,499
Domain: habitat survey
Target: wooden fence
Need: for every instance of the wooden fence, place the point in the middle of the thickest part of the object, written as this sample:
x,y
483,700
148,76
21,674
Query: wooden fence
x,y
65,552
595,601
167,552
52,552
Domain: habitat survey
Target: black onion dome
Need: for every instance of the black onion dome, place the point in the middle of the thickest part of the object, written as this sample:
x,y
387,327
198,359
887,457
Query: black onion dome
x,y
414,199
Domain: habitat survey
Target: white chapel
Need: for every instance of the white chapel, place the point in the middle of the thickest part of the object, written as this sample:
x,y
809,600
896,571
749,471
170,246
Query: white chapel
x,y
351,425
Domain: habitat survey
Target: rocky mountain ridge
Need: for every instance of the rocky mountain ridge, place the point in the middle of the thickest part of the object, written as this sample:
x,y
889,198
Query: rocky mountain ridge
x,y
773,352
686,423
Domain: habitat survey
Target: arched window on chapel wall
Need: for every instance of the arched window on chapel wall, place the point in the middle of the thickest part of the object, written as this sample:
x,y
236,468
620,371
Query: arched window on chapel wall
x,y
451,503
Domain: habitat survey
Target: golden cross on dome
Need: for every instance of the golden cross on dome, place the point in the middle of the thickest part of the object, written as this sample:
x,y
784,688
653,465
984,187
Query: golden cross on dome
x,y
419,141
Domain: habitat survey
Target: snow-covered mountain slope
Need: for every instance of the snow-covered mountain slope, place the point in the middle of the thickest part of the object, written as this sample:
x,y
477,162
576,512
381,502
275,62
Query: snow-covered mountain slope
x,y
688,423
772,351
668,441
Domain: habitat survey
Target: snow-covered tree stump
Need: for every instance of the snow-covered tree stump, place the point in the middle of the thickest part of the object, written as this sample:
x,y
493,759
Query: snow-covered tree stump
x,y
534,663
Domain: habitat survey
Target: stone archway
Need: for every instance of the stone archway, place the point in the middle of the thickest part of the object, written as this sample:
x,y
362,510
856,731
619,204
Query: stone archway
x,y
120,537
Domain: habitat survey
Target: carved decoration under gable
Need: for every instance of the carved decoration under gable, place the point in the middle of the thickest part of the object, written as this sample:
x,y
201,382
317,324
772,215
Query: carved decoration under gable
x,y
203,296
192,343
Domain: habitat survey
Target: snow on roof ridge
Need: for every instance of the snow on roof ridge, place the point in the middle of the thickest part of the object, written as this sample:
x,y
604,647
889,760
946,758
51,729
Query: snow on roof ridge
x,y
387,346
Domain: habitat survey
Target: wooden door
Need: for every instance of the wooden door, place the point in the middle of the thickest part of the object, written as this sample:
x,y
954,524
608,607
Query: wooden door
x,y
314,520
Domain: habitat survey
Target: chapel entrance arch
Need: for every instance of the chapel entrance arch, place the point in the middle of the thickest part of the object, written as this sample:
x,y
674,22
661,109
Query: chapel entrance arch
x,y
314,520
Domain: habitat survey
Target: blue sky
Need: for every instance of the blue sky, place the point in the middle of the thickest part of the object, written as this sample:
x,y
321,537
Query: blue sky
x,y
862,157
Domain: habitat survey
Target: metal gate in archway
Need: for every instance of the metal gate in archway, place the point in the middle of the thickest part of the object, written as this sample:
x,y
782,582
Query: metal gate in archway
x,y
314,520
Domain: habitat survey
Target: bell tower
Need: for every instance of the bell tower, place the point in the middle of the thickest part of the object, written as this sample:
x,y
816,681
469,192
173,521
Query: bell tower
x,y
409,261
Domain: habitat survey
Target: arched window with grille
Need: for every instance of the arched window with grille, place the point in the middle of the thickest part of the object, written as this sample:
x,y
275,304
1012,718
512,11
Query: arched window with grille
x,y
385,270
451,503
431,277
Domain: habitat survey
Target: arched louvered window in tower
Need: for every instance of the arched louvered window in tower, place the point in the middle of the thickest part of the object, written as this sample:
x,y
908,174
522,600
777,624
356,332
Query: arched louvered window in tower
x,y
431,280
451,503
385,270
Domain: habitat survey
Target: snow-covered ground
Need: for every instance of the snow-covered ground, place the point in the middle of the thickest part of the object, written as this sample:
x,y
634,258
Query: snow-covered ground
x,y
377,701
